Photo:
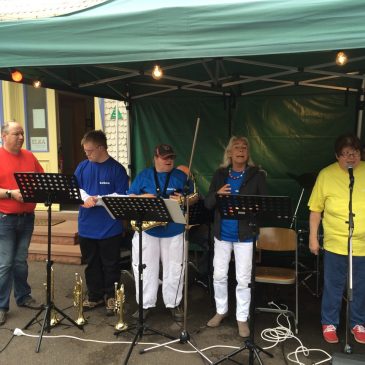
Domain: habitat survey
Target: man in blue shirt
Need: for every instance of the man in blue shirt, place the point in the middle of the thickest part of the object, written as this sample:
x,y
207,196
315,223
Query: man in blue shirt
x,y
100,235
163,242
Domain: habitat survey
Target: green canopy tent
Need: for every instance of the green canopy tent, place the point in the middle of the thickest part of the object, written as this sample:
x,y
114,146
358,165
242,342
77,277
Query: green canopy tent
x,y
263,68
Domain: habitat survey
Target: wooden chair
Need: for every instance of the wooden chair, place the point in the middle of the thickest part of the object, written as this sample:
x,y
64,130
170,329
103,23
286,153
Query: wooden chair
x,y
279,240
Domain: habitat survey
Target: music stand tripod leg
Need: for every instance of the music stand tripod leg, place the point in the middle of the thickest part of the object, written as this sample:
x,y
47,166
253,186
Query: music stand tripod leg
x,y
141,327
184,335
49,305
249,344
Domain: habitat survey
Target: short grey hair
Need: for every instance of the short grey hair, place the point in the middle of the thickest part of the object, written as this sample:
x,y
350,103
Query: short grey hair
x,y
5,127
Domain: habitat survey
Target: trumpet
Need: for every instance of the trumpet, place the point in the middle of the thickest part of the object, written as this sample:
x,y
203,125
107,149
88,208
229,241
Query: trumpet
x,y
119,307
146,225
78,295
53,318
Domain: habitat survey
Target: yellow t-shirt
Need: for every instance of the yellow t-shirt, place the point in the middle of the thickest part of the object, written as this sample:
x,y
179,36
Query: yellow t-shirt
x,y
330,195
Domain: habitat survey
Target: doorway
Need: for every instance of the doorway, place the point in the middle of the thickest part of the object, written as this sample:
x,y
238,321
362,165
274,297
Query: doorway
x,y
75,117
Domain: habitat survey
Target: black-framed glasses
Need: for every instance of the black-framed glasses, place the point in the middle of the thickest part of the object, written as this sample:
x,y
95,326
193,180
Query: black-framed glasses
x,y
354,153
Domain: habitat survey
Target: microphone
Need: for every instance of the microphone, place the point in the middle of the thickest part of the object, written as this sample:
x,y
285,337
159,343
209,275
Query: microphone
x,y
351,173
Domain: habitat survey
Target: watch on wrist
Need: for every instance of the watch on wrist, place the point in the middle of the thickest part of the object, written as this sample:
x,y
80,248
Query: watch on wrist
x,y
8,194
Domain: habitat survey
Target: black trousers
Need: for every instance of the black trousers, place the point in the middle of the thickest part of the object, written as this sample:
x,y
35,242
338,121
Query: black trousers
x,y
102,257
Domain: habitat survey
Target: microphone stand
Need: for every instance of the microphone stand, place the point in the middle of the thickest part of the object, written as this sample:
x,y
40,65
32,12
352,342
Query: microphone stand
x,y
184,335
348,347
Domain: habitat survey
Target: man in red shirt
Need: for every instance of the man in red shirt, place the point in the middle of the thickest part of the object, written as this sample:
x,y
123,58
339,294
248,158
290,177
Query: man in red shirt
x,y
16,220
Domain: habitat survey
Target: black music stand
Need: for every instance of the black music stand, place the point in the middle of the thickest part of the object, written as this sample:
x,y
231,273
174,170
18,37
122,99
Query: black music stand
x,y
197,217
139,209
252,208
200,215
48,188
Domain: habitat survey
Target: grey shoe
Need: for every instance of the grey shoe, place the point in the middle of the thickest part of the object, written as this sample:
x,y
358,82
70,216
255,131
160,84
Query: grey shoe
x,y
30,303
243,329
216,320
145,313
88,304
177,314
110,306
3,315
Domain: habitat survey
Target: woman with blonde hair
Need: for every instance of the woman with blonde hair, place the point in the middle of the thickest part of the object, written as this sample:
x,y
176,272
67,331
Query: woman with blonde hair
x,y
236,175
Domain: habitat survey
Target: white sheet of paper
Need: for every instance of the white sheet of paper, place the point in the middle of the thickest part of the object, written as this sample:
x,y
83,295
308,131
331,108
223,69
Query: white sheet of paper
x,y
175,211
39,118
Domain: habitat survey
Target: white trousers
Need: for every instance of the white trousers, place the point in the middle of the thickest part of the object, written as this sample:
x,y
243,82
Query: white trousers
x,y
171,252
243,264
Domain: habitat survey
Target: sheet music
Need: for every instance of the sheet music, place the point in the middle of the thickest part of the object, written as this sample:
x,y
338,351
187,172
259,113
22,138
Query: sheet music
x,y
175,211
100,202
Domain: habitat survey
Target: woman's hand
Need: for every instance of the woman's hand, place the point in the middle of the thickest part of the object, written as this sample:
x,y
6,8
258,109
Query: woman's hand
x,y
225,189
314,245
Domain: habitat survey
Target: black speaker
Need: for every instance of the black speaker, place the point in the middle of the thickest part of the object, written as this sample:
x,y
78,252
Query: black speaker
x,y
345,359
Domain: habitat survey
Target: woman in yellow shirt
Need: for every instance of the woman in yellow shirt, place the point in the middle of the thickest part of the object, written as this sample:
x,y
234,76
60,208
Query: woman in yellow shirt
x,y
329,202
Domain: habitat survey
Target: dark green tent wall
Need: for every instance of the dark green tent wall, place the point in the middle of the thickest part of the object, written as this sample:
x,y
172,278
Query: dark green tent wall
x,y
288,135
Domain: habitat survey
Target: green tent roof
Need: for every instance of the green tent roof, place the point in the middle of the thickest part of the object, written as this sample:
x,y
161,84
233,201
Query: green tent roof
x,y
129,31
108,49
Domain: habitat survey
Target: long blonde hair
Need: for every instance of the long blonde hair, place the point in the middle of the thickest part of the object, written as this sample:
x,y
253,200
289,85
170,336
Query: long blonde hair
x,y
227,161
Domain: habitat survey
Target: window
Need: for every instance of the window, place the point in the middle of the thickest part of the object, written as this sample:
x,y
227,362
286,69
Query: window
x,y
35,101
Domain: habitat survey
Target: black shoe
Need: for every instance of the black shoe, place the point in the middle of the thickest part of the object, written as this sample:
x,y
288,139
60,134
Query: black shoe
x,y
177,314
30,303
145,314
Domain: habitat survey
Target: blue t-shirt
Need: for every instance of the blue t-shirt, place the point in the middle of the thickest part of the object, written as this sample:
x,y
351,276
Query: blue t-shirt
x,y
229,227
103,178
144,183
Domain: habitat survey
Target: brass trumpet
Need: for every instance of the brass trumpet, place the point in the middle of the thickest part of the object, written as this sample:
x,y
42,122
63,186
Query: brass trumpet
x,y
54,318
119,307
146,225
78,295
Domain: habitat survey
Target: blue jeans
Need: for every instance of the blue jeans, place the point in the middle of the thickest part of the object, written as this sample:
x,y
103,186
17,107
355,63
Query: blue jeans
x,y
15,236
335,280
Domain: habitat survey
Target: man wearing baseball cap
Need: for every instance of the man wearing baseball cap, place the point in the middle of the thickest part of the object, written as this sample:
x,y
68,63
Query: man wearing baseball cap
x,y
163,243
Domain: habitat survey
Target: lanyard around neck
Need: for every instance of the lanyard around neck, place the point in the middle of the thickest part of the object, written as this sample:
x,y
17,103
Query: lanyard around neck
x,y
158,188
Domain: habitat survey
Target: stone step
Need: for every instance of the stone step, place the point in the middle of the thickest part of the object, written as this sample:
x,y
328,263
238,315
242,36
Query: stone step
x,y
66,254
65,233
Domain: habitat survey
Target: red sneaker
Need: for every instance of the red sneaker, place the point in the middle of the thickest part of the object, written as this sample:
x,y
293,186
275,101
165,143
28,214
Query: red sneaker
x,y
329,333
359,333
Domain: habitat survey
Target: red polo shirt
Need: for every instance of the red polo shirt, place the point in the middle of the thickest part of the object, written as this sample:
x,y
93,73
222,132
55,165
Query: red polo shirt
x,y
24,161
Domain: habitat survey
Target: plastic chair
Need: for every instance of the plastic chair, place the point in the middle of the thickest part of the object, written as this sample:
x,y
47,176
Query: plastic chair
x,y
279,240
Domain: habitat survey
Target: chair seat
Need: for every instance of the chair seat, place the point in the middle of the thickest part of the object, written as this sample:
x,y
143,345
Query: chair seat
x,y
275,275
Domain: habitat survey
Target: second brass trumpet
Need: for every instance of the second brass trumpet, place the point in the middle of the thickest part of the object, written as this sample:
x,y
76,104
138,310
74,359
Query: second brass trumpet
x,y
78,295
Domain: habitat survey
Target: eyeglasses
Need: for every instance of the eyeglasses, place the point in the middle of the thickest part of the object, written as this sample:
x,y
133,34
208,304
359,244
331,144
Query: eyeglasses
x,y
355,153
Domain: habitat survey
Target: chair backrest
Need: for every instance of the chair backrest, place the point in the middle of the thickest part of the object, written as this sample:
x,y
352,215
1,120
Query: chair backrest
x,y
277,239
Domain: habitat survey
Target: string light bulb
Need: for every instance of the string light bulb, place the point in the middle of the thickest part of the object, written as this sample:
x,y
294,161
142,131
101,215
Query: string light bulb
x,y
37,84
16,75
157,72
341,58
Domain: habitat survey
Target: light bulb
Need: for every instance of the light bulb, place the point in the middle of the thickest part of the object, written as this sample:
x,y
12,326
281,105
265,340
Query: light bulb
x,y
157,72
37,84
341,58
16,76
